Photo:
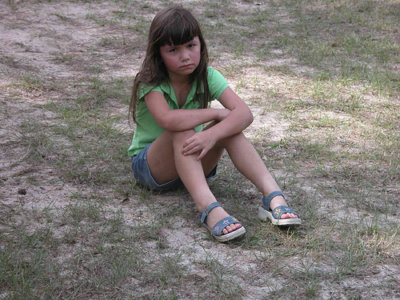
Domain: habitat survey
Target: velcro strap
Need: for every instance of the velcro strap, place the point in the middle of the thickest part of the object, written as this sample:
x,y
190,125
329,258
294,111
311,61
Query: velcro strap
x,y
267,200
217,228
204,214
280,210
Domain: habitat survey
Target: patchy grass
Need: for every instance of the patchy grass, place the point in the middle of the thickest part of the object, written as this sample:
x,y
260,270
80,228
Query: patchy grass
x,y
322,79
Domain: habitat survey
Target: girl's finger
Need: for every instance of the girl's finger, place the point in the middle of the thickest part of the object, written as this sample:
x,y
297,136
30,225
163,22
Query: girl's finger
x,y
185,144
202,154
188,148
188,141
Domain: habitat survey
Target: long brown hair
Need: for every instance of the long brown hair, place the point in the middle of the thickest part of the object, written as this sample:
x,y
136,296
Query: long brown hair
x,y
172,26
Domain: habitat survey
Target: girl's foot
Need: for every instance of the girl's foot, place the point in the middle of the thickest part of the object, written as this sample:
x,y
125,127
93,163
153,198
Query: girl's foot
x,y
222,226
280,201
276,210
218,214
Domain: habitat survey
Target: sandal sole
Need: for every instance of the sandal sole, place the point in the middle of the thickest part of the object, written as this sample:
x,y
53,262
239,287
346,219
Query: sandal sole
x,y
231,235
264,214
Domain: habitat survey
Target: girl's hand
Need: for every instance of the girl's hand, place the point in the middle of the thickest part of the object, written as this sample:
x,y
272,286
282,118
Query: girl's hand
x,y
200,142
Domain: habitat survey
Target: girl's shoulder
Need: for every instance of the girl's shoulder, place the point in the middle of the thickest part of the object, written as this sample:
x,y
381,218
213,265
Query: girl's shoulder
x,y
215,76
216,83
213,73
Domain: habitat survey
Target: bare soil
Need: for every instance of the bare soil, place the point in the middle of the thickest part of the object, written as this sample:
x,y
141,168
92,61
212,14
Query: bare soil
x,y
58,44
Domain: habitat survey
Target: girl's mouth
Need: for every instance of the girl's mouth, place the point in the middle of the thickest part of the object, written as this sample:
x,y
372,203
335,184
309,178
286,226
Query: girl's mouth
x,y
187,66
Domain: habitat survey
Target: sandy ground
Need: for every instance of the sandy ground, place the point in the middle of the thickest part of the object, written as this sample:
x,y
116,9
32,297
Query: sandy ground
x,y
34,37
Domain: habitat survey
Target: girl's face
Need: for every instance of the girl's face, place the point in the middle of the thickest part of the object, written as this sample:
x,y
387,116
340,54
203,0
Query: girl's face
x,y
181,60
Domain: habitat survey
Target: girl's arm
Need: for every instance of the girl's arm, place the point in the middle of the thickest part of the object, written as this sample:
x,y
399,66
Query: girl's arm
x,y
239,118
180,119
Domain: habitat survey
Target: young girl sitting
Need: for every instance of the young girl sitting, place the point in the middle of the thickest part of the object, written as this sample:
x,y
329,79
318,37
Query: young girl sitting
x,y
170,105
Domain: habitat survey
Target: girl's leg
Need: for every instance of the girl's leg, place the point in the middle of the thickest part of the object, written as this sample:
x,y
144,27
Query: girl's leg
x,y
250,164
167,162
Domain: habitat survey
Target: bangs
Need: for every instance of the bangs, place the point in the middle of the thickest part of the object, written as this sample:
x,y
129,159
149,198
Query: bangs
x,y
178,31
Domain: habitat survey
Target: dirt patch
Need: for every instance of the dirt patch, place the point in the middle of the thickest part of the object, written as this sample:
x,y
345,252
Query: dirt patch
x,y
107,238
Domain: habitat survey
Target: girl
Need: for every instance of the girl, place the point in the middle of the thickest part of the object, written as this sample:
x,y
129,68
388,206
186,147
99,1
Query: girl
x,y
170,104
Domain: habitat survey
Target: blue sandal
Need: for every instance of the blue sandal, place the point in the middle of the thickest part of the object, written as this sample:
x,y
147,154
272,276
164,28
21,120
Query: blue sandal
x,y
217,229
265,212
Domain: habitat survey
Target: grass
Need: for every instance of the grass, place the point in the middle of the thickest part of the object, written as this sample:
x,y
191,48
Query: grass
x,y
323,80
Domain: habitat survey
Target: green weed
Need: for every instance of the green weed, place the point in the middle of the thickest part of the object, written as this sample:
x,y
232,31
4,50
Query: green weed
x,y
322,78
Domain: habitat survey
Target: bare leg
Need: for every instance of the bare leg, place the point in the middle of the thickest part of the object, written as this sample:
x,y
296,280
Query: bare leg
x,y
167,162
249,163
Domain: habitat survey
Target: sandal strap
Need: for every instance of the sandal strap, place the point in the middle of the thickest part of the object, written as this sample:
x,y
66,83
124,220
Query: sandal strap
x,y
217,228
267,200
204,214
280,210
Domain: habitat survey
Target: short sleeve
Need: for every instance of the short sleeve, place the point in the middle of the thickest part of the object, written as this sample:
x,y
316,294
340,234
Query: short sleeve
x,y
216,83
145,89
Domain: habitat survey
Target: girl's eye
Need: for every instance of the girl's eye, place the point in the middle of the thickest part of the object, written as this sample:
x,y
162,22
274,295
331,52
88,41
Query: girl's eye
x,y
172,50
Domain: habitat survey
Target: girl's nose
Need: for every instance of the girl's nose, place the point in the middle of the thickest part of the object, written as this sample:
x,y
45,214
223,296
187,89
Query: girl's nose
x,y
185,55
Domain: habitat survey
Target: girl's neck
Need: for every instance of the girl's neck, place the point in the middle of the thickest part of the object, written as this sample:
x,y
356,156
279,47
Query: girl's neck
x,y
181,86
179,80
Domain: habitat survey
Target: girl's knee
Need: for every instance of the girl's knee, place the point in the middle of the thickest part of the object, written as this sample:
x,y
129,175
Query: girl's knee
x,y
180,137
182,134
232,139
176,135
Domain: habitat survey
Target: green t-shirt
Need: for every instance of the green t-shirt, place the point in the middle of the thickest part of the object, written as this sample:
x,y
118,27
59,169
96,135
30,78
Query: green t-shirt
x,y
147,129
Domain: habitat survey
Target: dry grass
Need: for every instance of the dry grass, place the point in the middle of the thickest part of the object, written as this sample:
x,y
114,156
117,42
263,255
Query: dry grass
x,y
323,81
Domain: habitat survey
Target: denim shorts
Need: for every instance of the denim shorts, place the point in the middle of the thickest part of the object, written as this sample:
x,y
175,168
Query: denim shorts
x,y
142,174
